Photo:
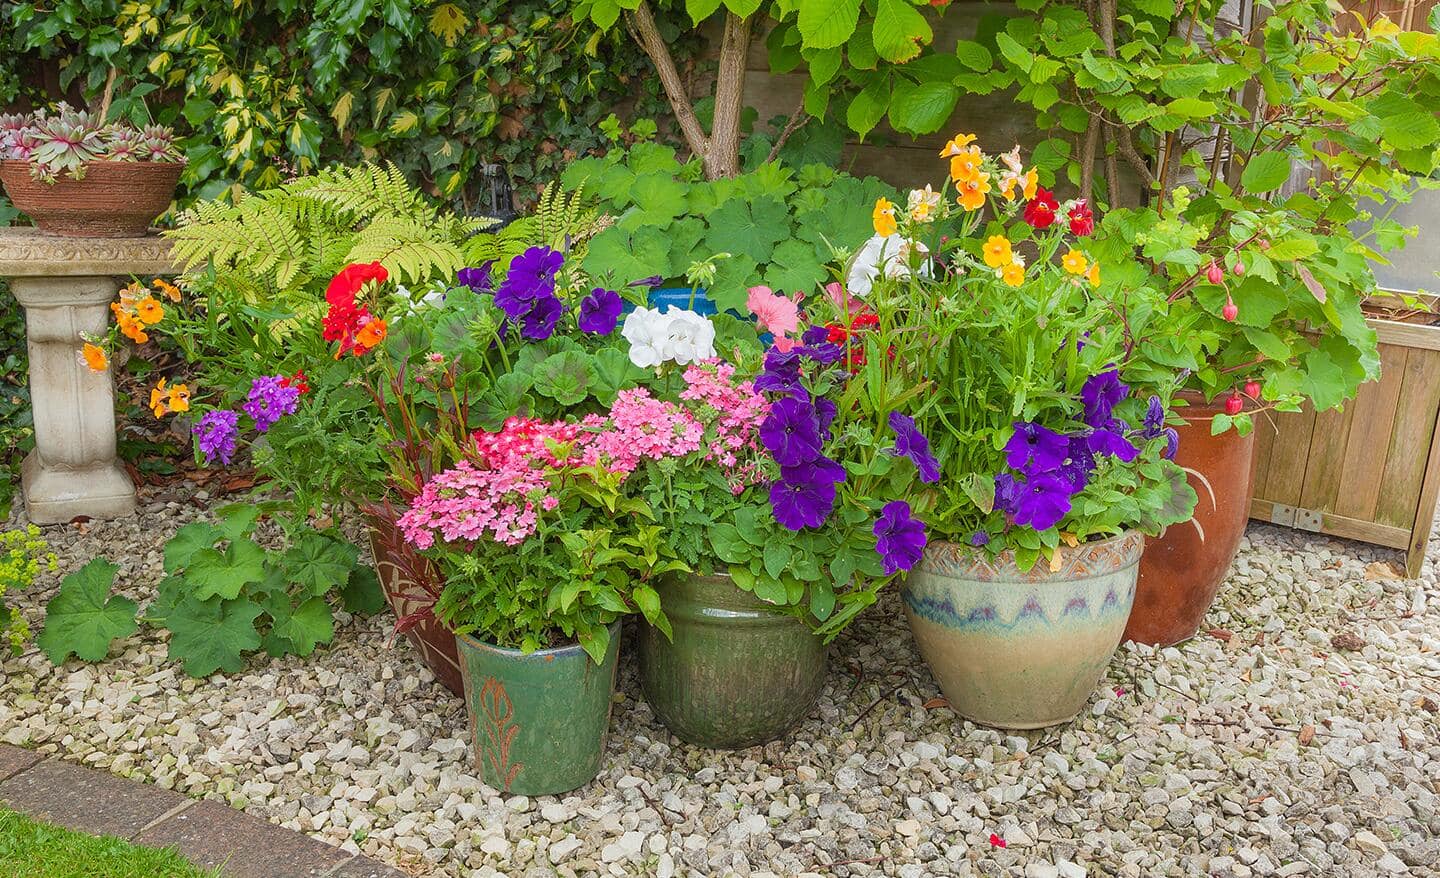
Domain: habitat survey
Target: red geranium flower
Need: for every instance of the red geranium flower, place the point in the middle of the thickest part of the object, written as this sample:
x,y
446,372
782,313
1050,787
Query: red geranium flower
x,y
297,381
1082,221
1040,210
351,278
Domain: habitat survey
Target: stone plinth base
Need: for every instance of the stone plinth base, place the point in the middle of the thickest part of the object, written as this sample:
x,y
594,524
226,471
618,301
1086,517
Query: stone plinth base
x,y
57,495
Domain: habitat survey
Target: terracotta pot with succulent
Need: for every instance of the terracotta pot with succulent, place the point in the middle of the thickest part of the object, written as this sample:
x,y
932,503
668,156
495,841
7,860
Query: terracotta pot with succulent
x,y
73,174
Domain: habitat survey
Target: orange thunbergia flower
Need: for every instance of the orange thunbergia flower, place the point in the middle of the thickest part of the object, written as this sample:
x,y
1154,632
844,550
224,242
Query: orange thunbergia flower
x,y
158,395
883,217
1094,274
149,310
1075,262
371,334
998,251
171,291
179,398
972,192
94,357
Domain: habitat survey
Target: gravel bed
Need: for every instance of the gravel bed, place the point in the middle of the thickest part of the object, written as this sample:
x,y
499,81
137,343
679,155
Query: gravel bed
x,y
1298,736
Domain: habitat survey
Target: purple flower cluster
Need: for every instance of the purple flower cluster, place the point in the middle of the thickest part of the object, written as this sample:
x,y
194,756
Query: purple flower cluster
x,y
1050,468
271,398
527,294
600,311
216,433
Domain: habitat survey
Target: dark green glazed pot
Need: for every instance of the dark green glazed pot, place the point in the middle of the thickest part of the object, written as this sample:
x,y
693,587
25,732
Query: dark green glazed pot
x,y
537,722
740,672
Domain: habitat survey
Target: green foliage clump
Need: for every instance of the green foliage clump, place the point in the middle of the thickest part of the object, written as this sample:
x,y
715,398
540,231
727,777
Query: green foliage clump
x,y
774,226
17,425
224,596
23,554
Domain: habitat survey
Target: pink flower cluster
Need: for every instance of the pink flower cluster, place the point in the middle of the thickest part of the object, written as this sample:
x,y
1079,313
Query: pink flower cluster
x,y
526,437
641,427
467,503
734,412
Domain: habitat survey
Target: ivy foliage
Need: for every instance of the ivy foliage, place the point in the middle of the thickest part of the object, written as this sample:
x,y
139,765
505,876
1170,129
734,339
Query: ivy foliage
x,y
224,596
260,89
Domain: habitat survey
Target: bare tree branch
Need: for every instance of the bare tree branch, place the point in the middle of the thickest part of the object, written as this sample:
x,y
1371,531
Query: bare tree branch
x,y
796,122
649,38
722,159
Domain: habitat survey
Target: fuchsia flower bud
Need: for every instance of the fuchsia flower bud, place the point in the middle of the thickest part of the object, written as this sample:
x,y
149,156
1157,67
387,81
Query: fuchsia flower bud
x,y
1215,274
1231,310
1239,269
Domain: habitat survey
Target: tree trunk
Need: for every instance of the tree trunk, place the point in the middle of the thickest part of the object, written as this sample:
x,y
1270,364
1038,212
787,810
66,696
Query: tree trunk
x,y
722,158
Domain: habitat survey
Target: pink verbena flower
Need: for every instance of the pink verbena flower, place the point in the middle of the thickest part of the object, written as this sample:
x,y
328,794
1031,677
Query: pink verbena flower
x,y
639,428
732,413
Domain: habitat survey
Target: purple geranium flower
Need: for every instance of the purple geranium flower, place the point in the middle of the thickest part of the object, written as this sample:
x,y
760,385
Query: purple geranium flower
x,y
1154,423
1034,447
1041,501
805,494
216,433
477,279
600,311
899,538
539,322
270,400
1100,395
791,432
1109,441
911,443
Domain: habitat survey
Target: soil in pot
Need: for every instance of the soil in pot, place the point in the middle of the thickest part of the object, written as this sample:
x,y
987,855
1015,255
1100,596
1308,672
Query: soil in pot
x,y
538,722
1020,649
112,200
739,672
1182,569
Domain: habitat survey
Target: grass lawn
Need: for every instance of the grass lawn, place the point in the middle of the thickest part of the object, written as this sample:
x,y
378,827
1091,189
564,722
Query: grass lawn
x,y
30,849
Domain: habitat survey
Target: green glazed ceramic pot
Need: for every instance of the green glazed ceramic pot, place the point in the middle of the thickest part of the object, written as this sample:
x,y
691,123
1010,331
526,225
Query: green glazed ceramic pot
x,y
1021,649
537,722
739,672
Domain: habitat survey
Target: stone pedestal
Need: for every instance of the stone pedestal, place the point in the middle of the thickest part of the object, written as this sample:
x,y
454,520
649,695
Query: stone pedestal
x,y
65,286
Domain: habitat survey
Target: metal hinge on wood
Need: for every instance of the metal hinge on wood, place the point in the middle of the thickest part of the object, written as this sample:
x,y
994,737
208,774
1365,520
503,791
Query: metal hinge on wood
x,y
1300,519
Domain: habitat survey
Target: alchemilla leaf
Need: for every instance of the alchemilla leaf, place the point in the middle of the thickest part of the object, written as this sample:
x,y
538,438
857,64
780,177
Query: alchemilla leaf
x,y
84,617
213,634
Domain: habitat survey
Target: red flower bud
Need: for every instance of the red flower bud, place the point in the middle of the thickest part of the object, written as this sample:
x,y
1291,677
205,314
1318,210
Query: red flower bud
x,y
1215,274
1231,310
1252,389
1234,404
1239,268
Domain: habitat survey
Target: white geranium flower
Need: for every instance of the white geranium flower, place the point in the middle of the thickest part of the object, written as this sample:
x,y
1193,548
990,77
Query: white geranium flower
x,y
891,255
677,335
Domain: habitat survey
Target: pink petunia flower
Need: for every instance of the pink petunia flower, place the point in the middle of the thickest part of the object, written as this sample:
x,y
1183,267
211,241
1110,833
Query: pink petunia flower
x,y
776,313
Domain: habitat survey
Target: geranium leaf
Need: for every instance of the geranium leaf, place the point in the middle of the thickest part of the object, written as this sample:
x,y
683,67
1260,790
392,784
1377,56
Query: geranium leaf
x,y
84,617
212,573
613,372
319,563
213,634
564,377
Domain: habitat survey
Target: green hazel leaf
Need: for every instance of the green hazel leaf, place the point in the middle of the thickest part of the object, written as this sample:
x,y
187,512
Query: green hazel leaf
x,y
699,10
1265,172
362,592
742,8
923,108
899,31
1404,122
827,23
1015,53
187,541
319,563
305,626
974,55
214,634
1192,108
212,573
868,107
84,618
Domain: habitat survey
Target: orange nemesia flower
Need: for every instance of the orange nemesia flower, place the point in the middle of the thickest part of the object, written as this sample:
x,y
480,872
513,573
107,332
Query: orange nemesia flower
x,y
972,192
94,357
132,329
1094,274
149,310
158,396
1013,274
883,217
965,167
179,398
171,291
1075,262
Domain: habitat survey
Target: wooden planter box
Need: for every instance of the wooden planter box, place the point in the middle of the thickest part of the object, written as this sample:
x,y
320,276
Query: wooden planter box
x,y
1370,471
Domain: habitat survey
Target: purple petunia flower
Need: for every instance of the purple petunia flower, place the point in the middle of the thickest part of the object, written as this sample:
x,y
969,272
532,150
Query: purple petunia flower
x,y
1109,441
1172,443
911,443
215,434
1076,468
826,353
1034,447
1041,501
653,280
1007,492
477,279
534,270
270,400
805,494
1154,423
600,311
791,432
825,411
979,538
814,335
539,322
899,538
1100,395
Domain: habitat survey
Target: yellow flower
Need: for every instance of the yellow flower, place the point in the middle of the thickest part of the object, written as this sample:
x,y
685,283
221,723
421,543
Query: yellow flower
x,y
179,398
1013,274
1094,274
998,251
157,398
1032,184
922,204
957,145
149,310
884,218
972,192
171,291
93,356
965,166
1075,262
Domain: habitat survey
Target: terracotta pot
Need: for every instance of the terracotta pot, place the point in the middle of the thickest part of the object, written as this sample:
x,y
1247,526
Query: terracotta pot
x,y
1021,649
1181,571
114,200
739,671
538,721
412,586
